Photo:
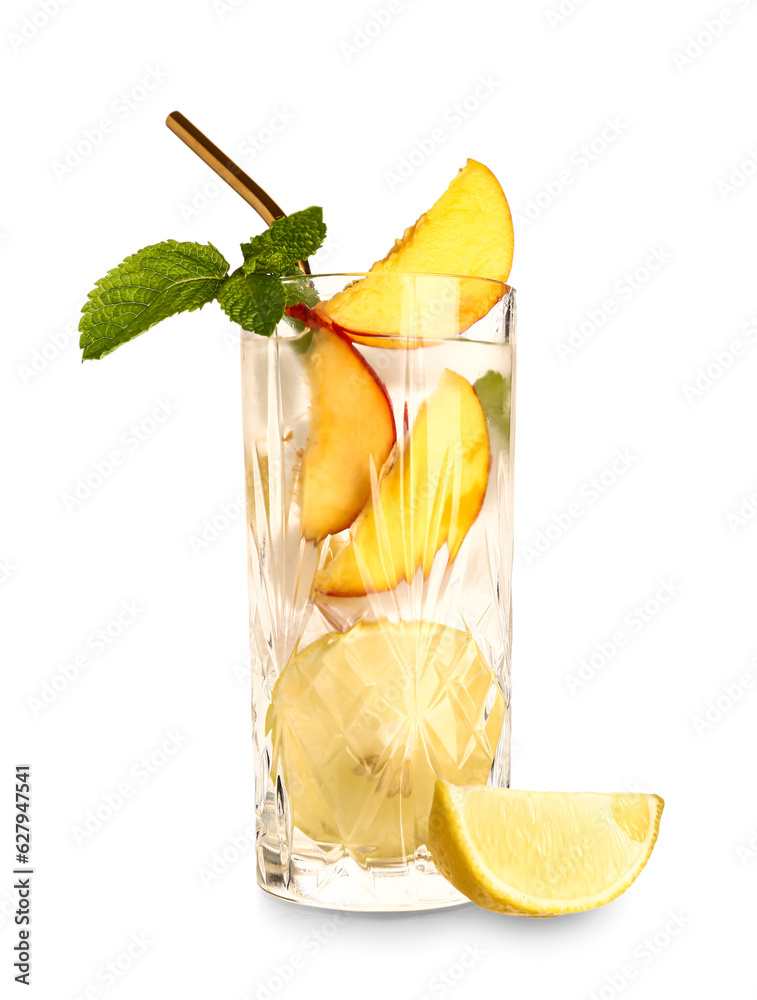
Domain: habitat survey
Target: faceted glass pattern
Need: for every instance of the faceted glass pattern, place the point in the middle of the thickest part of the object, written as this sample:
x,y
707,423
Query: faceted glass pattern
x,y
379,512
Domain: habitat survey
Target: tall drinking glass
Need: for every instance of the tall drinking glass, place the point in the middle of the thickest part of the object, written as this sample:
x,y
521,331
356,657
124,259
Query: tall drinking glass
x,y
379,479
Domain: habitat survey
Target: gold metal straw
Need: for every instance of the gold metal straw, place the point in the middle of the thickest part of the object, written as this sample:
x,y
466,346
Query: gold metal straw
x,y
225,167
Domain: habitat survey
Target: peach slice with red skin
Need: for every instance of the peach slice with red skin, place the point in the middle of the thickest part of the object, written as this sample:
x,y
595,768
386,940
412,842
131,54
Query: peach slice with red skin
x,y
352,434
430,495
468,232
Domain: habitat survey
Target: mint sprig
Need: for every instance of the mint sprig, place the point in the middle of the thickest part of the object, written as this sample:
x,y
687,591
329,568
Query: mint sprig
x,y
168,278
153,284
494,393
255,301
289,240
300,290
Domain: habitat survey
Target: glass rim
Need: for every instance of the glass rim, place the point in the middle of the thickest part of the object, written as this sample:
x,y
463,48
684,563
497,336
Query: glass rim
x,y
401,274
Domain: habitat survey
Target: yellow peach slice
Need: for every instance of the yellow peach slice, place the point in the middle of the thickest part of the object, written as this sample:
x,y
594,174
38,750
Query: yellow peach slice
x,y
430,495
468,231
352,435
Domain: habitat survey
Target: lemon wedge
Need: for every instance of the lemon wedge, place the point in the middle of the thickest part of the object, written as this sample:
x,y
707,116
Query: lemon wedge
x,y
540,854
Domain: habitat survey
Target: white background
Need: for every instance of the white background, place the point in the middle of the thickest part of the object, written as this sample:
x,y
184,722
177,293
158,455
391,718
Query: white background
x,y
349,107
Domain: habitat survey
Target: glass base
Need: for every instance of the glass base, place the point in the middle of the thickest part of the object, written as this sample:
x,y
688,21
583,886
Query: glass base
x,y
342,884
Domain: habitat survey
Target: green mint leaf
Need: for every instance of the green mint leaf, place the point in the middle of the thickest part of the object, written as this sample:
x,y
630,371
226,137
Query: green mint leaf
x,y
290,239
154,283
251,251
494,391
298,291
255,301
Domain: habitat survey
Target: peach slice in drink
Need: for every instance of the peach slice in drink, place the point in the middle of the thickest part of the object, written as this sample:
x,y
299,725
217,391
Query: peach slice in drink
x,y
430,495
468,231
352,434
